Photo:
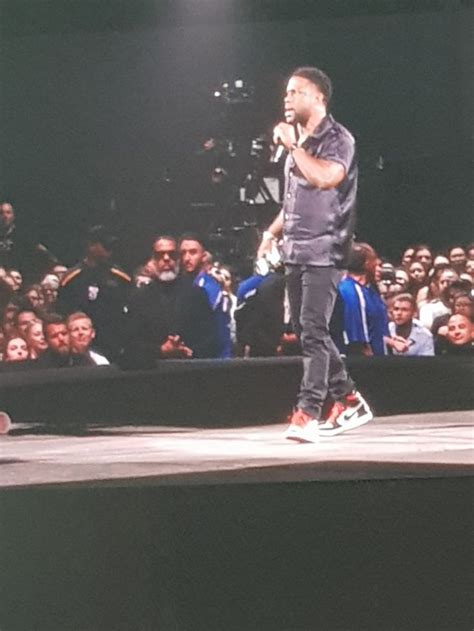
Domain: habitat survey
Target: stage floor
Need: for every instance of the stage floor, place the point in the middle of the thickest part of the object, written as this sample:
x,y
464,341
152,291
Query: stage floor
x,y
436,444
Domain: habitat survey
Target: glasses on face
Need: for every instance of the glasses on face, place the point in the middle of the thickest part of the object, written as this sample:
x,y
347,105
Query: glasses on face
x,y
159,255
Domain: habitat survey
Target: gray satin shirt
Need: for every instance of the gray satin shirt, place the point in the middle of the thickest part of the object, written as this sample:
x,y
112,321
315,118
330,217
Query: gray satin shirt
x,y
319,224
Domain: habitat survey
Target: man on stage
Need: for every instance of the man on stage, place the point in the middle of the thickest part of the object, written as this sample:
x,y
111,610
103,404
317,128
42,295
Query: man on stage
x,y
317,222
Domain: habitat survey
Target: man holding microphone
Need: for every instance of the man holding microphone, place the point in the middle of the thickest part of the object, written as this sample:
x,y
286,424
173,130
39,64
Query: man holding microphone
x,y
316,222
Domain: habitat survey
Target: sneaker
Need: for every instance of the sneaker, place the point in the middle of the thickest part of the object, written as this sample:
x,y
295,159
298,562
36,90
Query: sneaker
x,y
303,428
348,414
5,423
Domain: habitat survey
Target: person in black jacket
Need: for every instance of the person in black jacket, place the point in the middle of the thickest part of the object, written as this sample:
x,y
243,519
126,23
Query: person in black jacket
x,y
169,317
99,288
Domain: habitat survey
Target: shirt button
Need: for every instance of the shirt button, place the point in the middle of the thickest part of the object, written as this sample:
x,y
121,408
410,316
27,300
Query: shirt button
x,y
289,195
286,216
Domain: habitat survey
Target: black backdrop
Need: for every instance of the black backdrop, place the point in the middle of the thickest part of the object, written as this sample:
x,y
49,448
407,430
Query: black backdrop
x,y
108,107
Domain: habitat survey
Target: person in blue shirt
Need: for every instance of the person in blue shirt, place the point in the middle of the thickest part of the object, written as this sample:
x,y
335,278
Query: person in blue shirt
x,y
195,264
365,320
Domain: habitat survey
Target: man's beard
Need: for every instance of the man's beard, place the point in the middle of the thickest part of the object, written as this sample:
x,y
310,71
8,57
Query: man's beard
x,y
167,276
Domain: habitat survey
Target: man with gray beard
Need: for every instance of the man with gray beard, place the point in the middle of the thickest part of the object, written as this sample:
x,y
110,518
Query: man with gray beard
x,y
169,318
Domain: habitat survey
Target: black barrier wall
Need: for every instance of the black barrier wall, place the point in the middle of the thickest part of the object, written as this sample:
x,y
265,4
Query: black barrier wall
x,y
222,393
387,555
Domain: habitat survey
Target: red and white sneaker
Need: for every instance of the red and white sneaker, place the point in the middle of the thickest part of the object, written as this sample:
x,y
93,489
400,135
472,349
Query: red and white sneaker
x,y
303,428
353,412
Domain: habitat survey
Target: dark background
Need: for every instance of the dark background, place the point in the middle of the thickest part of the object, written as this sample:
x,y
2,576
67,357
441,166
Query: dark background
x,y
105,104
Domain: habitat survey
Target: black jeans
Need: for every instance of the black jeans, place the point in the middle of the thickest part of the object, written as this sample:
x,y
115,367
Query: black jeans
x,y
312,293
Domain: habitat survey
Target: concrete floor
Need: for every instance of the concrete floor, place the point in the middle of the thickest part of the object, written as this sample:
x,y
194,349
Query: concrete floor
x,y
424,445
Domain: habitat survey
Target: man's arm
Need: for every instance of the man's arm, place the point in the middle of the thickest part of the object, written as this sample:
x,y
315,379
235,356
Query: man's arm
x,y
319,172
271,234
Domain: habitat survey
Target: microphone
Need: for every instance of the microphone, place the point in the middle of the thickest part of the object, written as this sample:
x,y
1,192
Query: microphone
x,y
277,153
280,149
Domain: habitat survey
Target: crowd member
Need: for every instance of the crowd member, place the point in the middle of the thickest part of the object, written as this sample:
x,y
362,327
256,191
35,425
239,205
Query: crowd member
x,y
407,336
438,306
34,336
260,314
16,350
196,266
23,318
423,255
418,278
457,258
18,249
407,257
365,314
81,336
459,337
34,296
59,353
432,289
50,287
14,278
97,287
440,261
170,317
402,279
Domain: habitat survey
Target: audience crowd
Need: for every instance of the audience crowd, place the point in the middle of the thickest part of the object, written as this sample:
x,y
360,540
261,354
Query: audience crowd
x,y
181,303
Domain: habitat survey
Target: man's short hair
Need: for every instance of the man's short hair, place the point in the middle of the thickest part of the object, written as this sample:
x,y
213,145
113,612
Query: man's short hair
x,y
358,256
192,236
100,234
318,77
53,318
78,315
406,297
164,237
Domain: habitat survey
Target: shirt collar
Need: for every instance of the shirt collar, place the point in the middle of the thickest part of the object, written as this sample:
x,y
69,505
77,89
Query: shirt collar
x,y
326,123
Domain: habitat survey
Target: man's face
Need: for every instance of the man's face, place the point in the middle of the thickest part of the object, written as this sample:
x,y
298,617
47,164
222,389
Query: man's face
x,y
303,98
25,318
457,257
373,266
446,279
402,312
7,215
165,256
424,257
98,252
463,305
459,330
57,337
16,350
192,256
81,334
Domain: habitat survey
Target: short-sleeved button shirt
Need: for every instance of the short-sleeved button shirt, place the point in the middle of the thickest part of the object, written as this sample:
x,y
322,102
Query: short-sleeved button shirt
x,y
319,224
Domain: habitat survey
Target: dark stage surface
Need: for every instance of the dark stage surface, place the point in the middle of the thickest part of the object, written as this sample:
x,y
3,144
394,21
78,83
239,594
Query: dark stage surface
x,y
164,528
435,444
